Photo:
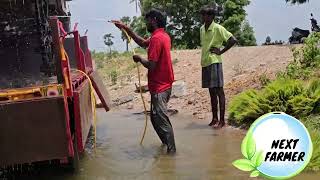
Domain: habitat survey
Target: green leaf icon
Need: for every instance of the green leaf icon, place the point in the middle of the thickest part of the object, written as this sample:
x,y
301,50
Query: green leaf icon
x,y
255,173
244,147
260,159
257,159
251,147
244,165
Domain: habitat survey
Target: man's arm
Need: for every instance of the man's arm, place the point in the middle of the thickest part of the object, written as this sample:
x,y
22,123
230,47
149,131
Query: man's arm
x,y
139,40
230,43
147,64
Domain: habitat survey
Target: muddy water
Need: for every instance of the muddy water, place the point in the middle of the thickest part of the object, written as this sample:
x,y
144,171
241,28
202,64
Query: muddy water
x,y
202,153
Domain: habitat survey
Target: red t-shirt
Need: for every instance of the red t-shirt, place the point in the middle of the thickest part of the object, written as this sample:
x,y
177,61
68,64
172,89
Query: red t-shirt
x,y
161,78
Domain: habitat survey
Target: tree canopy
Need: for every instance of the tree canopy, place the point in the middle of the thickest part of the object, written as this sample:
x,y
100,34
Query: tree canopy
x,y
185,21
297,1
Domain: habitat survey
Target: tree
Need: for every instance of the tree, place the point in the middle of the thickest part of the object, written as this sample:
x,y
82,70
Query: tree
x,y
184,18
247,37
138,3
138,25
108,40
126,20
297,1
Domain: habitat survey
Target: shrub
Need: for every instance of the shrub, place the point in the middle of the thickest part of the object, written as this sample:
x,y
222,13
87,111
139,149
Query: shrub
x,y
306,59
114,77
313,125
289,96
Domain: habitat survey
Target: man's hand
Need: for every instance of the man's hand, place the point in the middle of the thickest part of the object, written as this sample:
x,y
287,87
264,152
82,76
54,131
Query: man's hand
x,y
149,64
119,24
137,58
216,51
139,40
231,42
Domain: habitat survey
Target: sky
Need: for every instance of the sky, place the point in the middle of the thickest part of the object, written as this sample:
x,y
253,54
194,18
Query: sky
x,y
94,14
267,17
277,19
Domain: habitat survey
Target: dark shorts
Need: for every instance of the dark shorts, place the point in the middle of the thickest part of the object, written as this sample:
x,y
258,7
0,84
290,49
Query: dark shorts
x,y
212,76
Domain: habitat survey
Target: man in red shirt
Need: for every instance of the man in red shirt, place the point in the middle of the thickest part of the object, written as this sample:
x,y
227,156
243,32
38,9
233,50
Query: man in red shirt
x,y
160,73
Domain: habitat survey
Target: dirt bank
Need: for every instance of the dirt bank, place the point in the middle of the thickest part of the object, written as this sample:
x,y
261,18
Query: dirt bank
x,y
244,67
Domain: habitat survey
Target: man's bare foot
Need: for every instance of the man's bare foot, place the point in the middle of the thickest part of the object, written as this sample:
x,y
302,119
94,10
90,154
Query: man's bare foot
x,y
220,125
213,123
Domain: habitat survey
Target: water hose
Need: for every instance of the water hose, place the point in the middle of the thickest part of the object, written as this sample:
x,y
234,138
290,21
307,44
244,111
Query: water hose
x,y
93,101
93,98
140,87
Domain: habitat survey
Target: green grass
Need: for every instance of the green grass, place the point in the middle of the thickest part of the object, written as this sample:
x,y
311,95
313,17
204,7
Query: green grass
x,y
313,125
293,97
115,68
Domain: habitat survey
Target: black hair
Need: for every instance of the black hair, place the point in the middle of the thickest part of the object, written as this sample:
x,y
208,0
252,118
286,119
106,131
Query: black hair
x,y
209,10
159,16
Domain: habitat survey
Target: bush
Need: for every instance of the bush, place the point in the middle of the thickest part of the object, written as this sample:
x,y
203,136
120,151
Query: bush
x,y
314,92
306,59
289,96
312,122
310,53
313,125
114,77
244,109
296,71
264,80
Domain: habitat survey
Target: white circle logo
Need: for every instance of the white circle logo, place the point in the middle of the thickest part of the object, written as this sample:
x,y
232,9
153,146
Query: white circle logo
x,y
277,146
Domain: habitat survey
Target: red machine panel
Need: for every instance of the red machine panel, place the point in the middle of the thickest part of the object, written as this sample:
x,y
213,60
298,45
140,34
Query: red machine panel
x,y
38,131
83,113
101,90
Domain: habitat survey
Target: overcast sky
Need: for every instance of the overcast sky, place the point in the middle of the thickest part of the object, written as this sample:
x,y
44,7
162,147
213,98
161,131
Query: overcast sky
x,y
268,17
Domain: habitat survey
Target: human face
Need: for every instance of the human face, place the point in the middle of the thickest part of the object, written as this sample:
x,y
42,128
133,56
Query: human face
x,y
207,19
151,24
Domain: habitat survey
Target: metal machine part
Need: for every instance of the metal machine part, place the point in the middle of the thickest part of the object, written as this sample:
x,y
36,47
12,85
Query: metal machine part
x,y
26,54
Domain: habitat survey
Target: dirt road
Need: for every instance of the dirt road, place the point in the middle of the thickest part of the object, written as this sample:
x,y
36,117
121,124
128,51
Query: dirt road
x,y
244,67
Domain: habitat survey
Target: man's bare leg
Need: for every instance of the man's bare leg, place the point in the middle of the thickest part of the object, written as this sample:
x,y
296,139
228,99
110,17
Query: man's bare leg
x,y
222,107
214,106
